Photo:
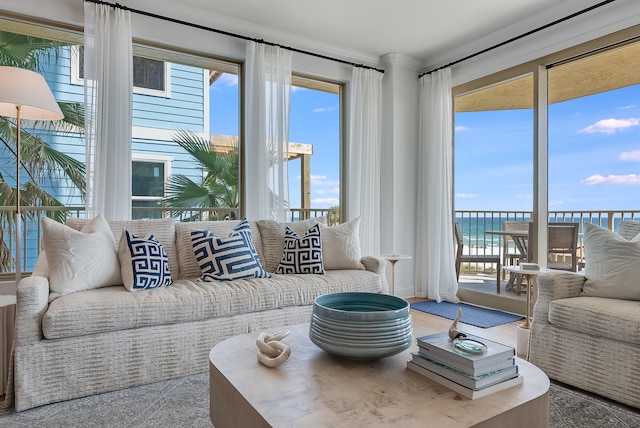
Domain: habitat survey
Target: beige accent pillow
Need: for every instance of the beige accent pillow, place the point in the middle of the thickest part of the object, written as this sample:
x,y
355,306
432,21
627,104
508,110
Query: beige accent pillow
x,y
629,229
163,229
341,246
612,264
80,259
272,234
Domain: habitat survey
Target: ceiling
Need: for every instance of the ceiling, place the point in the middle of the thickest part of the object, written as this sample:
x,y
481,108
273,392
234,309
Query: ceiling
x,y
419,29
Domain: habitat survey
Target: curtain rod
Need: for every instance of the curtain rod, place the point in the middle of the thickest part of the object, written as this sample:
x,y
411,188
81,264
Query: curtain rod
x,y
227,33
513,39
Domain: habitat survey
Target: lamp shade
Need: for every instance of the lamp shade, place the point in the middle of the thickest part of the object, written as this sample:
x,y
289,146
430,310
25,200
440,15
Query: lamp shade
x,y
28,89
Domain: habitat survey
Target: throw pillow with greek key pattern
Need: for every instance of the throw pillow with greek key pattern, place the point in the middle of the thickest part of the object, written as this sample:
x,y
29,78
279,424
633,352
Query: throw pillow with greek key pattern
x,y
302,255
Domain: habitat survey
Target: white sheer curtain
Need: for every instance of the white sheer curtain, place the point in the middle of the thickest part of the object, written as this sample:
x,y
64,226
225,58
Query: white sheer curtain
x,y
268,91
365,142
435,259
108,76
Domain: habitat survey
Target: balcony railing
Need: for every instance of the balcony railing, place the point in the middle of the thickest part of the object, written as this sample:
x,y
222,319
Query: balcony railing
x,y
473,225
32,225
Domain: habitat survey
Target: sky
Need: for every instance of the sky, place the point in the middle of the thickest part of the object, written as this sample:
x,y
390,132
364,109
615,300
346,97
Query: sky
x,y
314,119
594,150
594,155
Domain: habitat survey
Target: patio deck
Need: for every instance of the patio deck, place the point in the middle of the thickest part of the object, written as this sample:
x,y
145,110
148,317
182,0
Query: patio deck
x,y
480,289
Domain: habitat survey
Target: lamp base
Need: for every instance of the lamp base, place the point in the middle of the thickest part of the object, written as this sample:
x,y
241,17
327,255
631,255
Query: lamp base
x,y
522,347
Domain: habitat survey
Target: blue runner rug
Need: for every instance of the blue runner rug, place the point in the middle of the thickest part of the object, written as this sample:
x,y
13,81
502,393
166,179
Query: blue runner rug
x,y
472,315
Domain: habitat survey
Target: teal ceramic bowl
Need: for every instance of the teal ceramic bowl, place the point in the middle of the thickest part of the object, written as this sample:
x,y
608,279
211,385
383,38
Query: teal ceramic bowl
x,y
361,326
362,307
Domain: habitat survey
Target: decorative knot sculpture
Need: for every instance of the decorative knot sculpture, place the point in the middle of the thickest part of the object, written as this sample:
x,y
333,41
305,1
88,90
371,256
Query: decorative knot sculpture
x,y
271,351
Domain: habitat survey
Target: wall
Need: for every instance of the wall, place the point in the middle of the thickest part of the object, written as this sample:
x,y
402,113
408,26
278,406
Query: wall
x,y
399,171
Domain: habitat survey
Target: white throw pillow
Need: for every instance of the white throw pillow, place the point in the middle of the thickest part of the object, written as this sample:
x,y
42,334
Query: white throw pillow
x,y
629,229
80,260
612,264
341,245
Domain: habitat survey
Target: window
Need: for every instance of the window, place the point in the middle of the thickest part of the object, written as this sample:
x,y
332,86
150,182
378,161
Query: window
x,y
315,149
150,76
148,176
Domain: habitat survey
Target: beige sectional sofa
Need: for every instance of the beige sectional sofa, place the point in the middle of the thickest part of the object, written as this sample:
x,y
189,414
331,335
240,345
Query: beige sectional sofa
x,y
586,326
109,338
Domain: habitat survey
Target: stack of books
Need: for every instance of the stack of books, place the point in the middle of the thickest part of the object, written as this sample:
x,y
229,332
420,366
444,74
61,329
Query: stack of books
x,y
471,375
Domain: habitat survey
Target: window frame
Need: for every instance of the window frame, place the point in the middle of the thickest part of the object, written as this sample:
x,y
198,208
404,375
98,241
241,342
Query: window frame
x,y
165,93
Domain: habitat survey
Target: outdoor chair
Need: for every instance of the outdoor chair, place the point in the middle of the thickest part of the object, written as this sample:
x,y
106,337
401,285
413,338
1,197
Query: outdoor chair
x,y
512,257
474,258
563,243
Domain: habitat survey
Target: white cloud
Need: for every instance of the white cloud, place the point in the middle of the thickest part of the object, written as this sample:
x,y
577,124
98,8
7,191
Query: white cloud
x,y
632,156
610,126
461,128
331,191
628,107
321,180
612,179
466,195
324,109
556,203
324,202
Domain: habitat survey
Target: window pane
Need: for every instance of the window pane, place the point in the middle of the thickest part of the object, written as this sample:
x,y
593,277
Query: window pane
x,y
593,133
314,149
147,179
493,167
148,73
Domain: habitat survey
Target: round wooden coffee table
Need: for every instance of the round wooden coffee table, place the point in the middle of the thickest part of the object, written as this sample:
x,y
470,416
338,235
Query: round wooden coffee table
x,y
313,388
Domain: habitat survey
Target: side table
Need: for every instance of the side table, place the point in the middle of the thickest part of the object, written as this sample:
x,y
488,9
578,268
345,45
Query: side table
x,y
393,259
7,323
524,329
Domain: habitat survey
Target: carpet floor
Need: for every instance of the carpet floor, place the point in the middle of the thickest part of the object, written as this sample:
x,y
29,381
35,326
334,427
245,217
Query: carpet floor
x,y
184,402
472,315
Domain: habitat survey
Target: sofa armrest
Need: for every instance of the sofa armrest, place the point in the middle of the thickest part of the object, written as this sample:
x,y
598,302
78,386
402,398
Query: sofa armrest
x,y
378,266
32,302
554,286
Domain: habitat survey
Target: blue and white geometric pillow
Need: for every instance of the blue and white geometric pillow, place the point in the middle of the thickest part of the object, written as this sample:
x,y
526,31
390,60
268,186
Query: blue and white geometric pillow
x,y
244,229
302,255
143,262
225,259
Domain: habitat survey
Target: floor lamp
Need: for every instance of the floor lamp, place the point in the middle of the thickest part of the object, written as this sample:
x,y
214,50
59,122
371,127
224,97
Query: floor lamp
x,y
24,94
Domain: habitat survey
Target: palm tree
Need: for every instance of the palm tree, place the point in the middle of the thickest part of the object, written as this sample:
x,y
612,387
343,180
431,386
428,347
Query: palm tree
x,y
40,162
219,185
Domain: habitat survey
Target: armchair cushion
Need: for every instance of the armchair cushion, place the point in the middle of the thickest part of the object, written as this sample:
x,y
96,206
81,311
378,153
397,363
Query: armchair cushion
x,y
613,264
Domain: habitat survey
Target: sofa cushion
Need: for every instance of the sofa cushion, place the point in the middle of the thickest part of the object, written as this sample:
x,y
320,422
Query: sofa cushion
x,y
226,259
612,264
272,233
341,245
80,259
114,308
164,230
302,255
629,229
189,268
143,262
598,316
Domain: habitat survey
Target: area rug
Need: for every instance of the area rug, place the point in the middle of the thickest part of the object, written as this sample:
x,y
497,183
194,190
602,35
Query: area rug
x,y
184,402
472,315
